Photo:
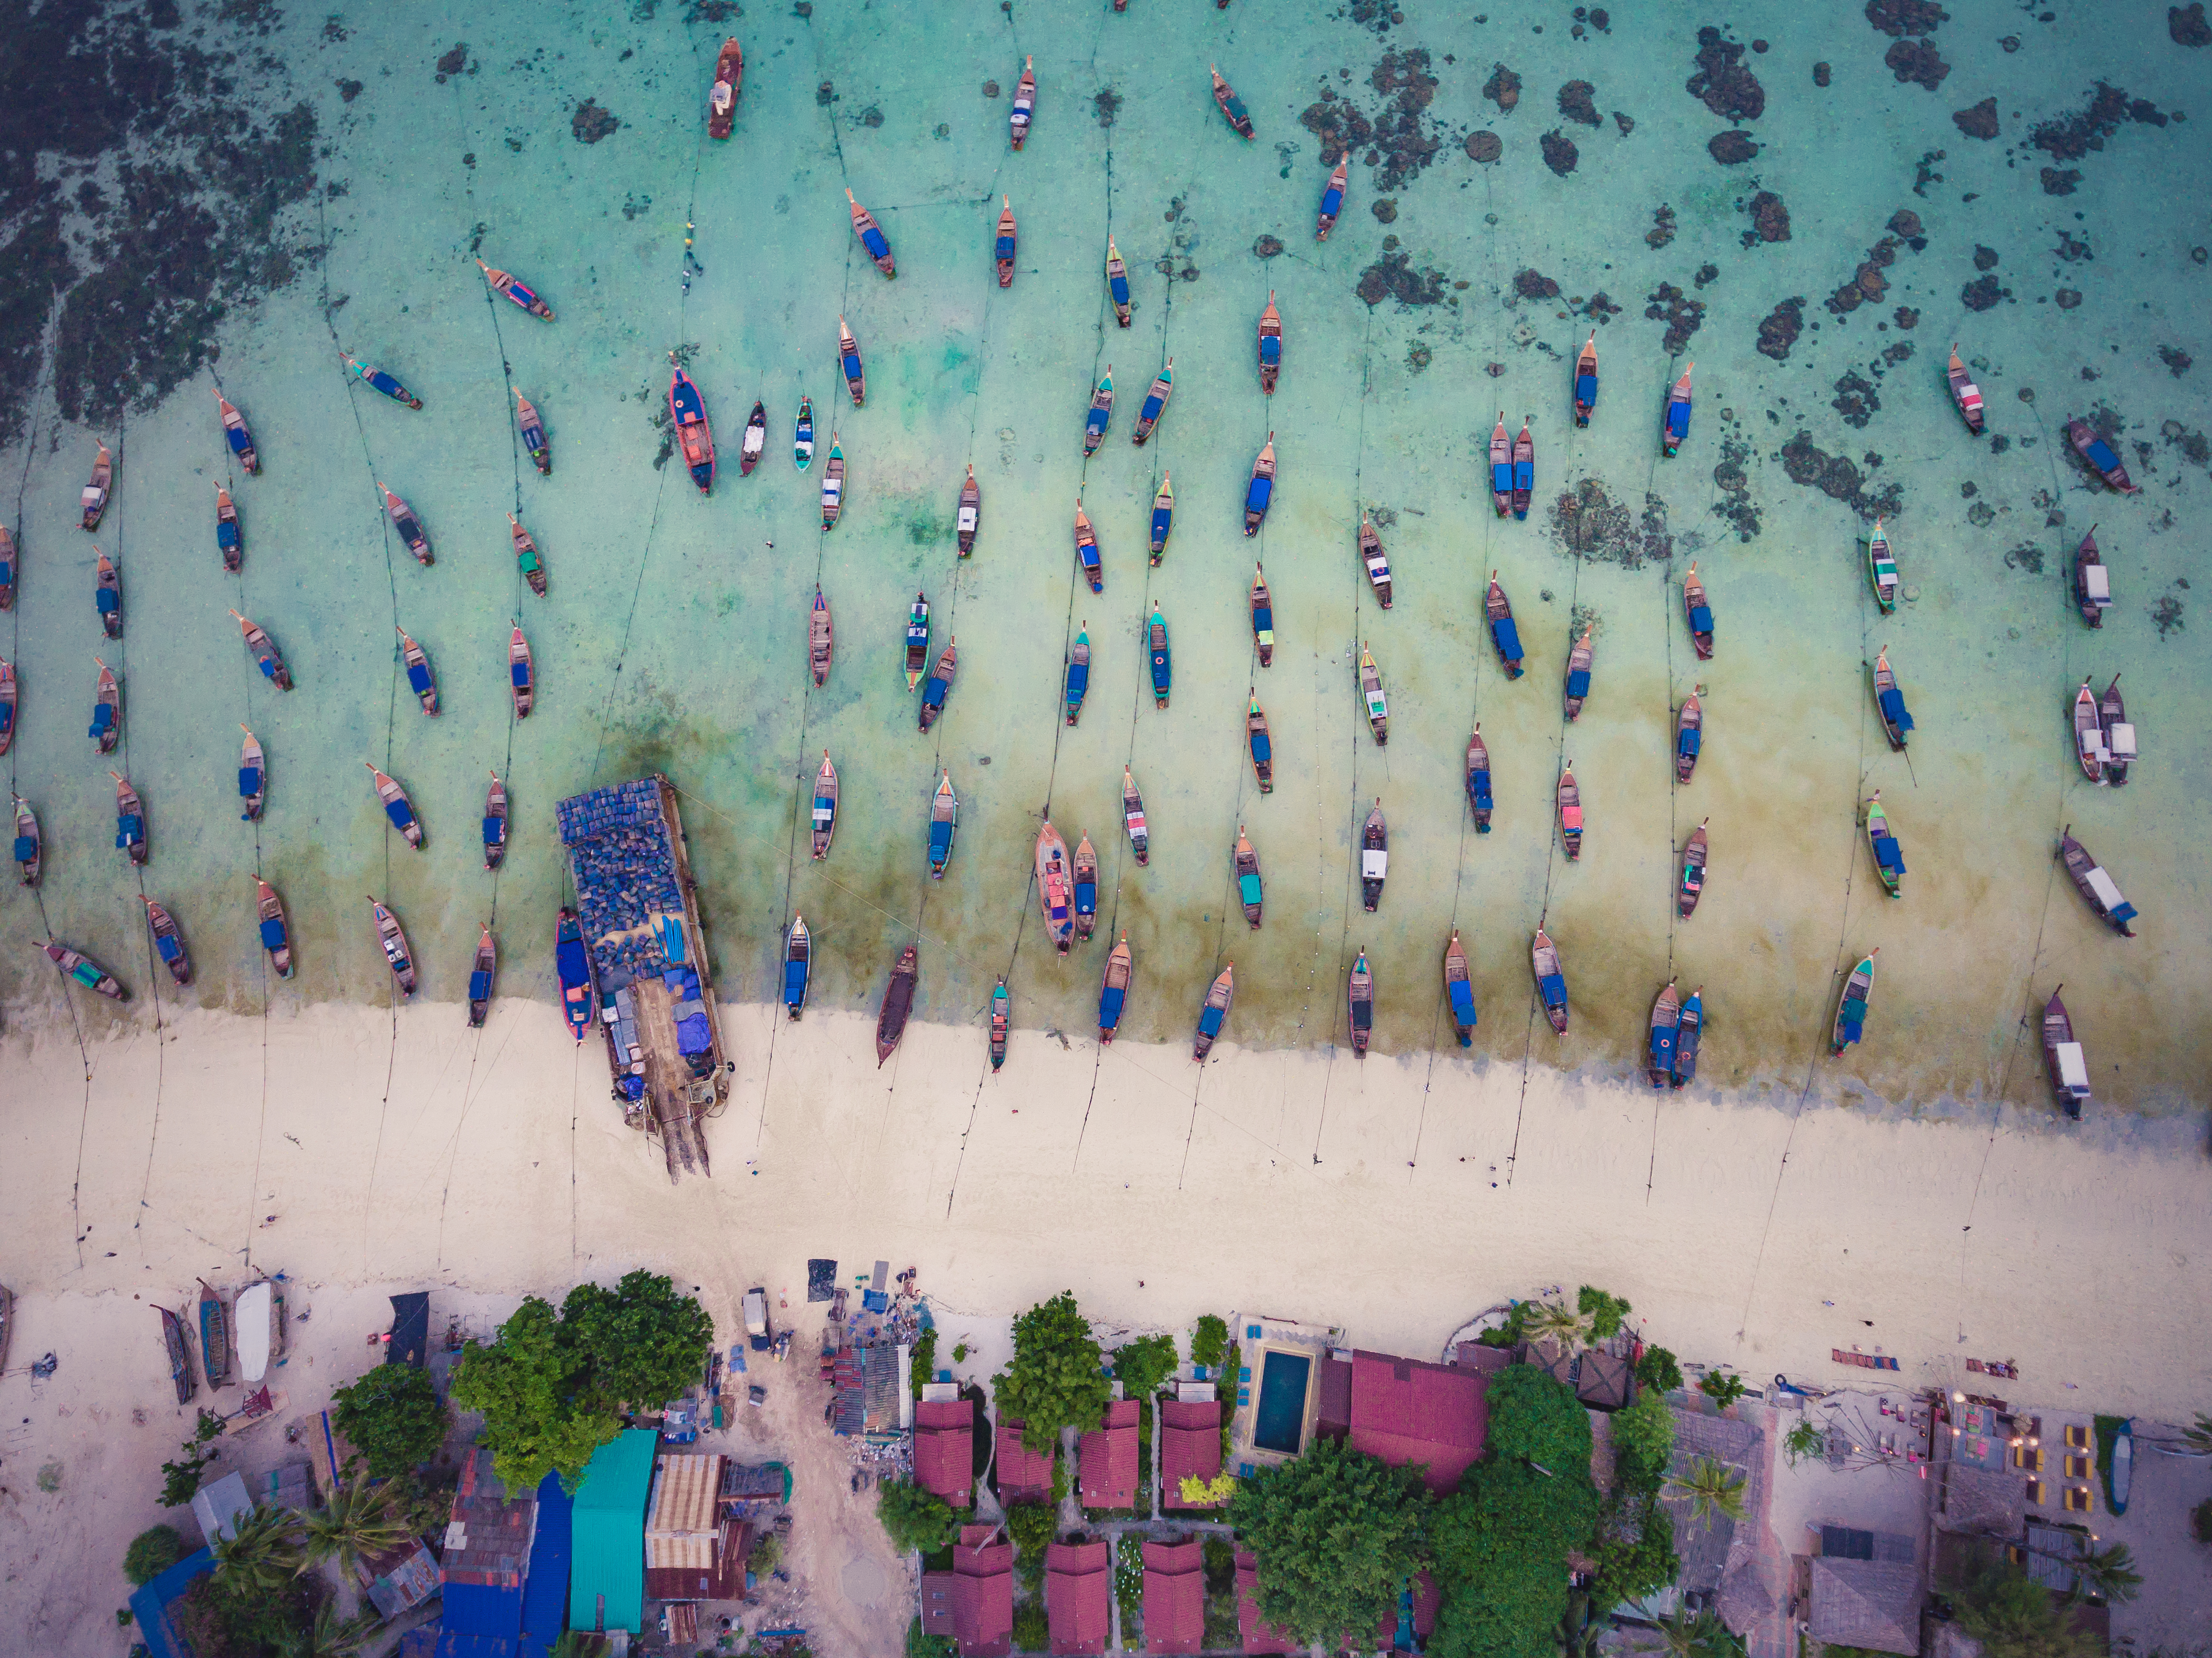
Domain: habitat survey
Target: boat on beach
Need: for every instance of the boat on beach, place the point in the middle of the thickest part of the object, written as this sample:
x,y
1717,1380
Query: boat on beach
x,y
1162,518
1332,199
1851,1009
2095,453
1156,642
214,1337
821,640
1689,734
1551,982
969,517
1008,240
85,971
276,937
934,688
1376,560
1503,634
1360,1002
1086,549
695,437
1586,380
1675,424
107,594
235,433
1025,109
1700,612
1114,989
1086,889
1965,394
1579,672
917,641
823,814
181,1358
1370,692
1055,894
1374,857
1568,799
898,1004
1232,106
1079,675
722,96
1260,742
872,238
1666,1026
1524,471
29,850
1888,856
2063,1059
1155,403
1261,490
1133,817
1459,991
130,819
1687,1035
2098,888
258,1317
754,444
1215,1013
2088,734
943,822
802,436
527,557
97,490
264,651
1117,282
2092,581
396,806
1263,616
515,289
1693,883
833,484
107,728
1250,892
849,361
376,380
230,539
1002,1022
521,672
1478,780
393,942
494,823
2119,735
1881,569
1270,347
409,527
1101,411
1889,702
572,962
482,967
168,943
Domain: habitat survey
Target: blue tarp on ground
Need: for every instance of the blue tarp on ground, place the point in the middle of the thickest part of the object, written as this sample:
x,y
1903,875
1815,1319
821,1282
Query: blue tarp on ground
x,y
545,1587
692,1035
149,1606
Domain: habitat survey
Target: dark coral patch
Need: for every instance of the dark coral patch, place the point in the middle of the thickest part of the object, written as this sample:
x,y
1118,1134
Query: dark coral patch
x,y
1535,285
1663,228
1483,147
2187,26
1982,293
1838,477
1391,277
590,122
1731,147
1778,330
1901,17
1683,315
1503,88
1560,153
1770,218
1916,63
1977,120
1723,84
1578,103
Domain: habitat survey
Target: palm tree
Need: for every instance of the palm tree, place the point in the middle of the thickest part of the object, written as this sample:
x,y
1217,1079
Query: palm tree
x,y
1709,1487
1698,1635
2198,1435
261,1552
330,1636
2108,1574
361,1520
1543,1320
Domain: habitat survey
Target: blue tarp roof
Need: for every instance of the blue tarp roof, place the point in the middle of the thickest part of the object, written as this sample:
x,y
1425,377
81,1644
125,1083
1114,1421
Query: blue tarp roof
x,y
545,1587
149,1606
410,1330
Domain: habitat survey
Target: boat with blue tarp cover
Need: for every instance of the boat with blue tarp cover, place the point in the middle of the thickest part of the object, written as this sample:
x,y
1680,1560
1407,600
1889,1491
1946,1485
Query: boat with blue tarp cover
x,y
130,819
848,362
1162,518
917,641
522,673
1231,106
1676,424
1579,671
573,964
1086,549
1332,200
1002,1022
394,944
168,943
1117,281
1851,1011
29,851
228,539
802,438
1888,858
1114,989
1263,616
409,527
1478,779
1155,403
798,964
1156,641
1360,1002
396,806
107,728
2089,878
1503,634
1261,490
939,682
369,374
1692,886
1896,718
494,823
1586,380
1079,674
1215,1013
1002,251
7,568
872,238
1689,734
235,433
944,821
107,594
693,436
823,817
420,679
2099,457
1270,347
1551,982
1699,611
1687,1038
517,290
1261,743
1101,411
1459,991
275,938
1524,471
481,969
533,434
1086,889
1666,1026
1501,468
1249,890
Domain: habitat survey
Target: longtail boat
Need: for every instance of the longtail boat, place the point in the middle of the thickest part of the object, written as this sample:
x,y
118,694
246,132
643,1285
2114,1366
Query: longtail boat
x,y
848,360
693,436
833,484
1881,569
1551,983
1478,780
1665,1027
1579,671
214,1337
521,673
526,558
1524,471
1687,1037
1569,799
573,963
1079,674
969,516
1377,562
1263,616
2063,1059
1851,1010
1503,634
376,380
1370,692
94,501
1156,642
393,942
1114,989
2088,734
1270,346
872,238
1888,856
722,96
410,527
1155,403
898,1004
1693,884
1374,858
1055,895
1700,613
1889,702
1459,991
1117,282
107,728
821,640
419,674
230,540
1086,889
7,568
396,806
823,814
1586,380
1258,740
235,433
168,943
2095,453
1162,518
1501,468
1675,424
29,850
940,681
1133,817
1332,199
516,289
181,1358
1101,411
798,966
1689,734
1261,490
130,819
276,938
1249,891
1965,394
917,641
1024,102
2119,735
495,822
754,444
1003,250
532,429
2092,580
943,822
802,439
1002,1022
86,972
1086,549
1232,106
482,968
1359,1002
1215,1013
107,595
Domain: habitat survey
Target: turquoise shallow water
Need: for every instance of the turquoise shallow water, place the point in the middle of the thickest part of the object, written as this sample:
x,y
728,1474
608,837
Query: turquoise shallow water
x,y
674,634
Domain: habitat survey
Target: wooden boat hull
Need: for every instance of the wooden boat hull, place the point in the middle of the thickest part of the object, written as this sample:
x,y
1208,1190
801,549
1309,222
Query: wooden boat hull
x,y
237,434
409,529
522,674
572,962
1370,693
230,539
1551,982
1078,676
1675,422
850,364
1459,992
1024,112
1156,644
802,436
29,851
1132,818
1889,705
533,435
1163,522
1086,553
107,728
1233,108
823,812
693,436
2119,735
917,641
130,822
798,967
1055,892
2088,735
1114,989
1086,889
969,517
214,1339
821,640
898,1004
1524,472
1332,203
1965,394
107,598
2097,888
1263,620
7,569
482,967
1505,636
1691,886
1586,383
1251,892
2096,455
399,810
1270,350
722,96
2091,592
1100,413
2062,1064
754,444
833,488
168,943
1851,1007
1578,675
1002,1021
393,941
1155,405
1260,742
1569,803
938,686
943,825
872,239
1360,1002
1214,1014
421,680
494,823
94,501
82,970
1666,1026
1881,571
1700,614
1478,782
275,938
1376,562
1888,860
1260,493
527,560
181,1358
1687,1036
1374,858
1501,470
1689,736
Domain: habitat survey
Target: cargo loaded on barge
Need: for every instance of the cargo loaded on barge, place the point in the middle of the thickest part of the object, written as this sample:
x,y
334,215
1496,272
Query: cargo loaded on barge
x,y
638,908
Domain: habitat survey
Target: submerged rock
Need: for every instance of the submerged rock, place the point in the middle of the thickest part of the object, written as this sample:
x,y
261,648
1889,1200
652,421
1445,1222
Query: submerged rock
x,y
1730,148
1560,153
1663,228
2187,26
2060,181
1535,285
1723,84
1392,277
1577,102
1982,292
1267,247
590,122
1778,330
1821,74
1985,259
1838,477
1625,123
1977,120
1503,88
1855,399
1683,315
1770,218
1483,147
1916,62
2070,137
1596,526
1902,17
2175,358
2067,298
1734,482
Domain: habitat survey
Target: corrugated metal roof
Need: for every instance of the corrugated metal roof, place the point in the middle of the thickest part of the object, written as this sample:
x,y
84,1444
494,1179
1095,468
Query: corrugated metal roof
x,y
545,1587
680,1523
606,1573
150,1605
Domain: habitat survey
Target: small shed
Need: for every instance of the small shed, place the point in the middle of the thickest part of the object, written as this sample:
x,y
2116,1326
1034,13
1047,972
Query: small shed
x,y
219,1505
606,1573
401,1579
1174,1596
1554,1360
691,1553
1874,1604
1605,1384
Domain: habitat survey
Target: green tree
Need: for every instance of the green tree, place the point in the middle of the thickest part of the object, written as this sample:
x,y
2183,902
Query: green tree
x,y
1722,1388
1807,1439
645,1343
1501,1544
1209,1341
260,1554
1032,1526
1709,1487
361,1519
1032,1626
1535,1419
914,1519
922,1360
393,1418
1657,1372
535,1390
2197,1435
328,1635
1698,1635
1605,1312
2108,1574
1643,1437
1145,1364
2015,1617
1055,1380
1545,1320
1337,1533
919,1645
152,1552
1635,1552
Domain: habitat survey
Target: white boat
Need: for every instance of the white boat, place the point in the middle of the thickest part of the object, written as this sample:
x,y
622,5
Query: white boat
x,y
2124,1465
252,1320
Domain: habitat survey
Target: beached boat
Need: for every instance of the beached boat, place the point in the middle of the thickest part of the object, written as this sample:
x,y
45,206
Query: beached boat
x,y
526,556
1260,742
1693,884
1101,411
798,966
1249,891
573,964
1232,106
1002,1022
1263,616
1579,671
1689,735
1374,857
1086,889
802,436
833,484
969,517
1155,403
823,814
214,1337
168,943
495,822
1459,991
393,942
1156,642
1586,380
230,540
2088,734
532,429
1024,108
130,819
1699,611
1569,799
2095,453
1666,1026
97,490
1114,989
1478,780
516,289
1503,634
181,1358
1215,1013
1133,817
376,380
1687,1034
722,96
917,641
1079,675
107,728
897,1003
872,238
253,777
1270,347
409,527
1965,394
1332,200
2092,581
1261,490
107,595
1675,424
1524,471
695,437
7,568
1881,569
263,649
482,967
2063,1060
521,672
29,850
1851,1010
1086,551
256,1321
935,688
85,971
1888,856
754,444
943,822
1501,468
396,806
1889,702
1055,894
849,361
1370,692
2119,735
1359,1002
1162,518
275,938
821,640
1117,282
1377,562
1551,982
235,433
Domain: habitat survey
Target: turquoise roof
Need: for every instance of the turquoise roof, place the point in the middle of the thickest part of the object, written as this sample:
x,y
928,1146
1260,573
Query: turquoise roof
x,y
607,1570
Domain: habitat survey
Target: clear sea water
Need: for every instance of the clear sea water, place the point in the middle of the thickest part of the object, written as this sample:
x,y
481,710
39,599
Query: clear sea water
x,y
674,636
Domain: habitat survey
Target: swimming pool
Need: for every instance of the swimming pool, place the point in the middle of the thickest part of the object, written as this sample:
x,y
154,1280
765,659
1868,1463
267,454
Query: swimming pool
x,y
1279,1424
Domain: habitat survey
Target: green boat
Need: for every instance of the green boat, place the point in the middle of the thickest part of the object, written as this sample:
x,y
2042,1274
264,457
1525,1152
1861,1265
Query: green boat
x,y
1881,569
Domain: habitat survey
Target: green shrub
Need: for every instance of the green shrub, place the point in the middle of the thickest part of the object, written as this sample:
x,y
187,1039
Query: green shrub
x,y
1635,1553
1604,1311
1144,1365
767,1554
1807,1439
1535,1419
152,1552
1657,1371
1221,1564
1722,1388
919,1645
921,1364
393,1418
1032,1627
1032,1526
1643,1440
1209,1341
914,1519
